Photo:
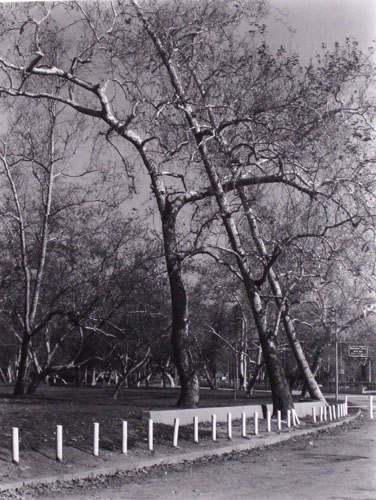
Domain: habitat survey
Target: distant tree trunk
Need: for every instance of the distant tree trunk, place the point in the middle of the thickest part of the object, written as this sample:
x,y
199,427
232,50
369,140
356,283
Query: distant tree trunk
x,y
256,375
19,388
128,373
37,380
208,378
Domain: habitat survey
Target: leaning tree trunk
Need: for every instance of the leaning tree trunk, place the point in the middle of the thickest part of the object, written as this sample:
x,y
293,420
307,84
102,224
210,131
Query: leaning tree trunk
x,y
315,369
304,368
19,388
281,395
190,390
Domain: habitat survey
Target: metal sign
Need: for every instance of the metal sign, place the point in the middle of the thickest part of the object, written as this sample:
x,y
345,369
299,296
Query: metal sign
x,y
358,351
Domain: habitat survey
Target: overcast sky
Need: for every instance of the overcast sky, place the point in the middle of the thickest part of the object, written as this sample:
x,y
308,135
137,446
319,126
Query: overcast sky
x,y
317,21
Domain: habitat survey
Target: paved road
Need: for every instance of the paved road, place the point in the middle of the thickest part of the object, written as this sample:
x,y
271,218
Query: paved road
x,y
329,466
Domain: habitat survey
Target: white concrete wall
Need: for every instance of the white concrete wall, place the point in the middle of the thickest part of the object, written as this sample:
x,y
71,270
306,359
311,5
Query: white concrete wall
x,y
204,414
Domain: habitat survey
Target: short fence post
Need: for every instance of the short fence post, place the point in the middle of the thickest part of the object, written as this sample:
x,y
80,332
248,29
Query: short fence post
x,y
371,407
15,446
214,427
59,443
346,405
229,426
295,417
150,434
255,419
268,421
313,414
195,429
176,432
244,425
325,413
288,418
330,413
96,440
321,413
124,437
279,422
334,412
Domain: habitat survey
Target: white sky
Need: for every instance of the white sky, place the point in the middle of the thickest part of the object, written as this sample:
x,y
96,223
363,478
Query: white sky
x,y
317,21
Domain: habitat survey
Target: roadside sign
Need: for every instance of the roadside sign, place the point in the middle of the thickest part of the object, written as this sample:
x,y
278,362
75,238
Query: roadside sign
x,y
358,351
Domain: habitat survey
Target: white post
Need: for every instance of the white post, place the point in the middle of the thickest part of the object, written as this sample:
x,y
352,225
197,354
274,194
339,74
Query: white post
x,y
124,437
229,426
244,425
150,434
338,411
255,417
15,446
59,443
176,432
346,405
330,413
325,413
268,421
195,429
96,440
321,413
334,412
295,417
214,427
279,423
314,414
289,418
371,407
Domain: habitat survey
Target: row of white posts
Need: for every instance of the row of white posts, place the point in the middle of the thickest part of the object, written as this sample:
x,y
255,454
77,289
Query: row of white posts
x,y
325,413
330,413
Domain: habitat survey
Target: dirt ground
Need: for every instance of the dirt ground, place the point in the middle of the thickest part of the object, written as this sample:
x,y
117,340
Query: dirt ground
x,y
335,465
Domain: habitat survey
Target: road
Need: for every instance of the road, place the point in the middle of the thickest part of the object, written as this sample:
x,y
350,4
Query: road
x,y
335,466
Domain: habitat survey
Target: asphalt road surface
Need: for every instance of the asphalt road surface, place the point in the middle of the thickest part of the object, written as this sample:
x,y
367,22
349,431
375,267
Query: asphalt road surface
x,y
337,466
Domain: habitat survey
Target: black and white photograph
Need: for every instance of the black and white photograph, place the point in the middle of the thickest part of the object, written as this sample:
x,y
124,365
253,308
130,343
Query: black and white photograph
x,y
188,250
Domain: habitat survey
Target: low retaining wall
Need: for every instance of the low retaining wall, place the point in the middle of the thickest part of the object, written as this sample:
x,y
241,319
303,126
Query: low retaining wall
x,y
204,414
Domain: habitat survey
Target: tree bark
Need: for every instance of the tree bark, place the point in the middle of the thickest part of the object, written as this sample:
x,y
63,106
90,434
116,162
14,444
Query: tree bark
x,y
189,396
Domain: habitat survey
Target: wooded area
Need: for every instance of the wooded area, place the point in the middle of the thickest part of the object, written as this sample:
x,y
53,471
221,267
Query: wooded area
x,y
180,199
